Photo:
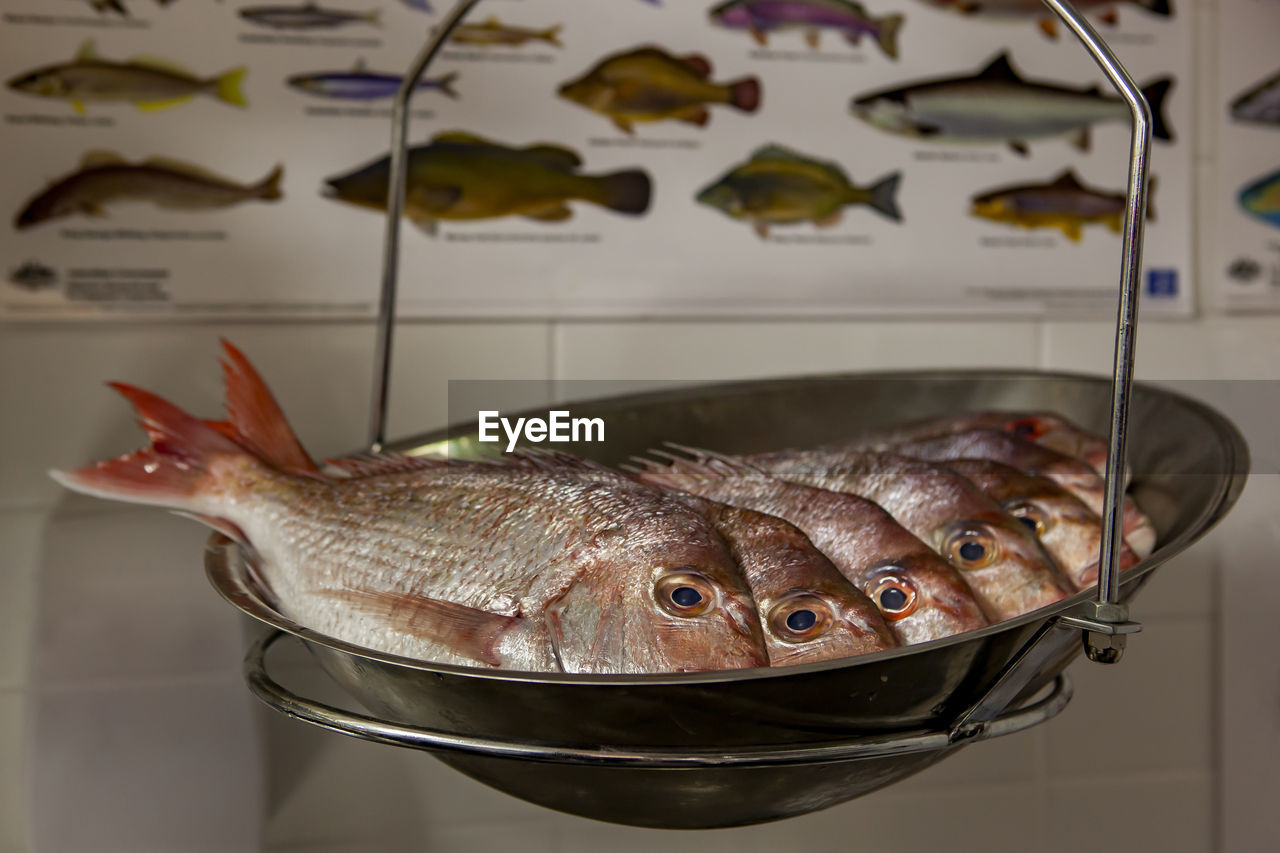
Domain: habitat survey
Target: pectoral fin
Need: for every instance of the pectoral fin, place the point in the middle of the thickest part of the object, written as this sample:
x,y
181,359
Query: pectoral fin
x,y
761,37
1073,231
431,198
623,125
1049,27
1019,147
79,107
830,219
761,228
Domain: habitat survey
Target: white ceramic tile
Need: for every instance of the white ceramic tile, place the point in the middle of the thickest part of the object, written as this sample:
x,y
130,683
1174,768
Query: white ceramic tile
x,y
1171,815
58,414
667,351
1189,585
1151,712
1211,348
20,535
123,595
969,819
146,769
13,785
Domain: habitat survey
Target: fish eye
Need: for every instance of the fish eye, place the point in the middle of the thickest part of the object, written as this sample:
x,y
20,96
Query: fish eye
x,y
971,548
895,597
799,617
1026,428
1035,519
684,592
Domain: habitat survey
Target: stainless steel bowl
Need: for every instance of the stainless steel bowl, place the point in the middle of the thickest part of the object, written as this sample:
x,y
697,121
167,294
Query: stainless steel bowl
x,y
731,748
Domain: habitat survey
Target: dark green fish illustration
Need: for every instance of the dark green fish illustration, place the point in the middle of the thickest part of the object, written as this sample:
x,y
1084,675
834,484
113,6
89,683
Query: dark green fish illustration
x,y
998,105
1064,203
462,176
105,178
649,84
778,186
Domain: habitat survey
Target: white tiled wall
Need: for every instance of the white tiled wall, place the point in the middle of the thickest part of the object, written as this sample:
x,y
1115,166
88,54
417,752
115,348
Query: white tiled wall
x,y
124,727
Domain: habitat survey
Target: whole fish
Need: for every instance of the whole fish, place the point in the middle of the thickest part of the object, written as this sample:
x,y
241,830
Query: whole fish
x,y
778,186
521,564
1261,199
420,5
1048,429
105,178
922,597
307,16
1035,10
997,105
1260,104
1003,563
361,84
762,17
649,84
1069,530
493,32
107,6
808,611
150,84
462,176
1072,474
1063,203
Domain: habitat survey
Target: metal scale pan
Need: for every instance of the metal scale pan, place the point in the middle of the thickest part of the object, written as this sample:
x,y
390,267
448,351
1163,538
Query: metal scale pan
x,y
741,747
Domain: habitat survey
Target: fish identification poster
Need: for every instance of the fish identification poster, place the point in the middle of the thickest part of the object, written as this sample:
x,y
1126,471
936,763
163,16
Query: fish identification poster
x,y
1248,187
682,158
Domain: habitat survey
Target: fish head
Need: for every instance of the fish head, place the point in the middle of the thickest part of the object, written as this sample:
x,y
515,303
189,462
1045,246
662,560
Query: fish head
x,y
364,187
996,206
588,90
889,111
1056,433
723,197
46,82
672,600
1069,531
922,597
51,204
1003,563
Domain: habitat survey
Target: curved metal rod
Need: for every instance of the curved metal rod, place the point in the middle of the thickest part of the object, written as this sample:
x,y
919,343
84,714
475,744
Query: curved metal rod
x,y
395,206
434,740
1126,320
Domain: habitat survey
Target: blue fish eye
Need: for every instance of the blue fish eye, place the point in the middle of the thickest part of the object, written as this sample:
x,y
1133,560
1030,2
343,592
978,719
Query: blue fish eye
x,y
801,620
893,599
686,596
972,551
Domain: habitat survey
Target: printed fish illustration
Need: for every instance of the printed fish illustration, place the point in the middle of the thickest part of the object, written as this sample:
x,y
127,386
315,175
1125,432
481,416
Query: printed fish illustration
x,y
808,611
105,178
778,186
1064,203
920,595
1072,474
997,105
491,32
649,84
306,16
1260,104
762,17
361,84
1035,10
420,5
1003,563
462,176
1069,530
522,564
107,6
1261,199
150,84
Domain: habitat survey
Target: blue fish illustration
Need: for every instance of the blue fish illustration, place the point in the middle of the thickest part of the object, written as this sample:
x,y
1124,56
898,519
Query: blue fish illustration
x,y
1261,199
361,84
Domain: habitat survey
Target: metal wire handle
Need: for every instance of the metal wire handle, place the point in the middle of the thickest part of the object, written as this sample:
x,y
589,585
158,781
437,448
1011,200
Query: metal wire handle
x,y
1107,623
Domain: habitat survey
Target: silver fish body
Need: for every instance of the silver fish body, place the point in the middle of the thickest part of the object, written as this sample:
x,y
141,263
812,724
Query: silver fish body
x,y
1003,564
305,16
920,595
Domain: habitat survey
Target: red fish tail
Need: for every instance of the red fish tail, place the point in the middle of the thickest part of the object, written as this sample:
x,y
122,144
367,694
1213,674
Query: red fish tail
x,y
256,421
744,94
170,471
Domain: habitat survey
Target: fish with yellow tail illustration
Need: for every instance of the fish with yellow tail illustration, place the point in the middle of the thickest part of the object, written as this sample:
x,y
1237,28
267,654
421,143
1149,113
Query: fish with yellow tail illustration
x,y
649,84
460,176
106,178
149,84
778,186
1064,203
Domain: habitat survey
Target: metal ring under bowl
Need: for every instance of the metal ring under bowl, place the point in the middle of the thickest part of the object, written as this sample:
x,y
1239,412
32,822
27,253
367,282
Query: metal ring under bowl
x,y
433,740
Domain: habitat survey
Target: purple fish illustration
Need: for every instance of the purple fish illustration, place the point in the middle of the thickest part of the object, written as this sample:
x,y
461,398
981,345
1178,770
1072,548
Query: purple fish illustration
x,y
360,84
762,17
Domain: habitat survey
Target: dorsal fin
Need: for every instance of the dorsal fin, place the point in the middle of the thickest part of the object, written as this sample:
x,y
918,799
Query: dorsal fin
x,y
999,68
460,136
698,63
101,157
778,152
87,52
1067,179
259,423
